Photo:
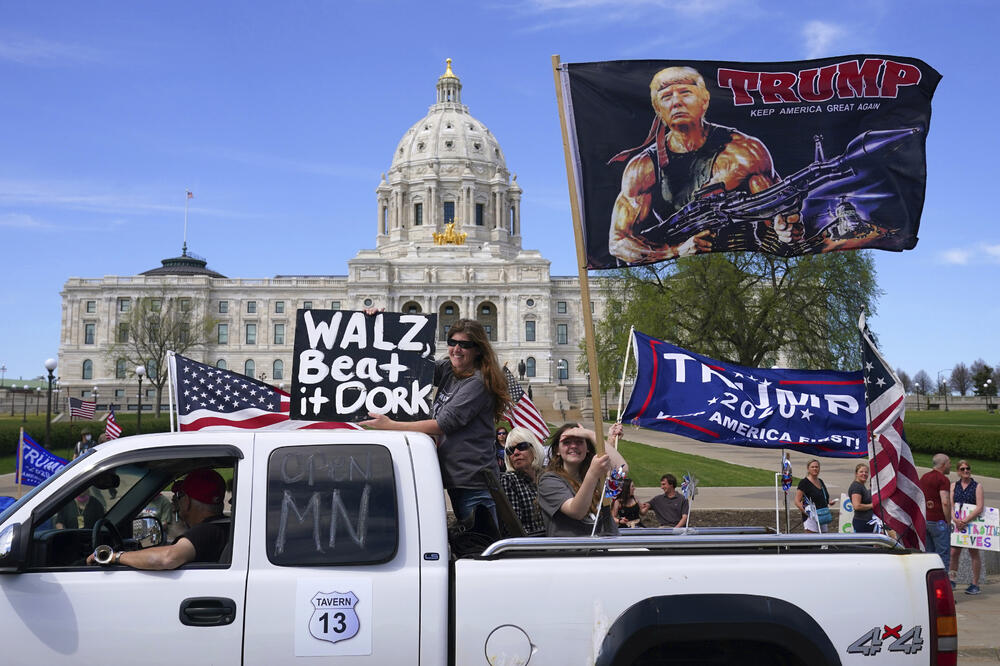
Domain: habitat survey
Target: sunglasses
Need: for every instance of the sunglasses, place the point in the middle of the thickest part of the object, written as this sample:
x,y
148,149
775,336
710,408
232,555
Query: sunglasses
x,y
964,469
464,344
501,432
520,446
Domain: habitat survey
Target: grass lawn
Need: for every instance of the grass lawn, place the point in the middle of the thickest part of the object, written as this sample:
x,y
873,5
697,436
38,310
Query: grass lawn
x,y
647,463
964,418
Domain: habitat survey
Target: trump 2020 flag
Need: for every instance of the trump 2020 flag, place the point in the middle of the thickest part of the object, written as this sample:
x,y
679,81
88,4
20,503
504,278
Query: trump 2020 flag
x,y
819,412
896,494
674,158
35,463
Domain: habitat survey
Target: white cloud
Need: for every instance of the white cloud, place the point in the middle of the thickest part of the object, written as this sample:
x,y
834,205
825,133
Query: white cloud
x,y
21,221
821,37
992,252
956,256
34,51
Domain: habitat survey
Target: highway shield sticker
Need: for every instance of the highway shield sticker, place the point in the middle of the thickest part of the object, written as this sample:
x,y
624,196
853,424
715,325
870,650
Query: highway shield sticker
x,y
333,617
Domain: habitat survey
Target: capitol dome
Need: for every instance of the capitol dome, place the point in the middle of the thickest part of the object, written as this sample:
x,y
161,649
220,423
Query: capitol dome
x,y
448,169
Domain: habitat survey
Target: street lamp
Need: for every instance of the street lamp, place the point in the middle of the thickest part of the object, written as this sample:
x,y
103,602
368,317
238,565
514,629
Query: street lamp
x,y
916,387
50,365
27,390
38,398
3,373
986,392
93,390
140,372
945,391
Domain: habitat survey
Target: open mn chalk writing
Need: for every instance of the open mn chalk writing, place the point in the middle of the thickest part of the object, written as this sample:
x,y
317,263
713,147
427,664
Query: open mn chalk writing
x,y
336,467
347,364
331,504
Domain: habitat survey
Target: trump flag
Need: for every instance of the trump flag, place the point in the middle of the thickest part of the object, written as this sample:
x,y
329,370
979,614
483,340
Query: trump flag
x,y
674,158
35,463
818,412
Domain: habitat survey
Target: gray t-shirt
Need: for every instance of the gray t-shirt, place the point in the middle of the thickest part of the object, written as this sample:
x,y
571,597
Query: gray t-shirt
x,y
669,509
553,491
866,498
463,409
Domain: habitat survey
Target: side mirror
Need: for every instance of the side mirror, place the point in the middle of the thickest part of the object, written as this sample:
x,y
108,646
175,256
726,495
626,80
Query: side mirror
x,y
148,531
14,547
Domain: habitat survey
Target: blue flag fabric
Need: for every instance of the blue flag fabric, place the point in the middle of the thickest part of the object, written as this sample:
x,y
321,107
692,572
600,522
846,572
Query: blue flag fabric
x,y
819,412
37,464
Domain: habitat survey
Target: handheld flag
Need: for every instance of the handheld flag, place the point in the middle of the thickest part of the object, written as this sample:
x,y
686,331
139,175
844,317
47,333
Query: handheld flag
x,y
35,462
818,412
522,412
81,409
214,399
613,485
689,487
111,427
786,473
896,494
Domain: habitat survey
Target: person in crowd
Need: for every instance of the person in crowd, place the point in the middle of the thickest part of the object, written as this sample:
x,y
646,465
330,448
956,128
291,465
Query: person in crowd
x,y
671,508
937,495
472,396
861,500
500,446
80,514
199,499
625,509
812,489
571,489
86,442
520,481
967,491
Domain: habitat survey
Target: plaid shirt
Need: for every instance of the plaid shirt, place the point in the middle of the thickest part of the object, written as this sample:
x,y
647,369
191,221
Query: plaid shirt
x,y
523,495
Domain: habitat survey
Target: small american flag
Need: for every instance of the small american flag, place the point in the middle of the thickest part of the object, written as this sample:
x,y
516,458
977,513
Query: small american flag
x,y
81,409
522,412
111,427
896,494
190,195
213,399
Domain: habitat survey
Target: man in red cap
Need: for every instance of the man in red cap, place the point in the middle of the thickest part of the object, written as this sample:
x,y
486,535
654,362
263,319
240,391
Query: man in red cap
x,y
199,499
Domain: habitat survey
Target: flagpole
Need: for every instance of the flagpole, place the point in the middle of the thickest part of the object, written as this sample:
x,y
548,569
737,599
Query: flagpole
x,y
581,260
862,325
187,197
20,463
621,387
171,370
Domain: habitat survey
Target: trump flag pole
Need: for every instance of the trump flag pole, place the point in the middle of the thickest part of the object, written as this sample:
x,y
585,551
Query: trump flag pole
x,y
581,260
20,463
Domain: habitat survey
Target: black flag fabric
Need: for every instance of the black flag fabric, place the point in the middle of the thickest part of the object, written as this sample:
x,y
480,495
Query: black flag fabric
x,y
675,158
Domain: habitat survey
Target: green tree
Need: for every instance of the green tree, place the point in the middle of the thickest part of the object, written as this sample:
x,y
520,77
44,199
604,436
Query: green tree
x,y
746,308
982,378
154,326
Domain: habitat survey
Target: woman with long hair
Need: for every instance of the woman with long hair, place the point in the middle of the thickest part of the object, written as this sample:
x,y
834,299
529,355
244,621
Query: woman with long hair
x,y
626,509
472,396
572,487
967,491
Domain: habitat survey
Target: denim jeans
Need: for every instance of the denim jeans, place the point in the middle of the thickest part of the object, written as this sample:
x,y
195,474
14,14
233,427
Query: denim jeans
x,y
465,500
939,540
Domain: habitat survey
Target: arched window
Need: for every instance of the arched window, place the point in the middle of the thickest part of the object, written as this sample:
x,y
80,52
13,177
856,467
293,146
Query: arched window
x,y
411,307
221,364
529,366
121,367
486,314
88,369
563,369
249,368
447,315
278,369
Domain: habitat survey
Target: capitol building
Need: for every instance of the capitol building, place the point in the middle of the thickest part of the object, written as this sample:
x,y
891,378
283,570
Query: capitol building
x,y
447,241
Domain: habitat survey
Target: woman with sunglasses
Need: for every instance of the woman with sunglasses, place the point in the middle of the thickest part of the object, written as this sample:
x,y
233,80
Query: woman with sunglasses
x,y
499,446
572,488
520,481
967,491
471,397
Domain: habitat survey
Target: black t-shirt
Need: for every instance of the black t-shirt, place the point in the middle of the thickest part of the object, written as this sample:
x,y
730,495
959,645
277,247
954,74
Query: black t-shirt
x,y
819,496
209,539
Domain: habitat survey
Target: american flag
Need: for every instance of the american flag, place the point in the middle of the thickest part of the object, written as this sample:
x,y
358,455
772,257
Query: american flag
x,y
522,412
111,427
214,399
896,494
81,409
190,195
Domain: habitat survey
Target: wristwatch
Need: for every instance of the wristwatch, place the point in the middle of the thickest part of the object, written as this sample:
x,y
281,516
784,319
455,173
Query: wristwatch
x,y
118,556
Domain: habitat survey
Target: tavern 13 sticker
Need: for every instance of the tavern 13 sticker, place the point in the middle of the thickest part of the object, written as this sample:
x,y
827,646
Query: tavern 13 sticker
x,y
333,616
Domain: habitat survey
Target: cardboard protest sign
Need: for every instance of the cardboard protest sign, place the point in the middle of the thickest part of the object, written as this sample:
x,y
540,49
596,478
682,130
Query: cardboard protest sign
x,y
347,364
982,532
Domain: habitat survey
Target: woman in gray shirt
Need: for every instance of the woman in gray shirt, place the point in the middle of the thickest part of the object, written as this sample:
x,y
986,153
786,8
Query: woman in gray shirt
x,y
472,395
572,488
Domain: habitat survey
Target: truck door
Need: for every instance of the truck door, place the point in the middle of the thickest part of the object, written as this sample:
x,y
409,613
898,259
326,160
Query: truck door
x,y
60,610
334,553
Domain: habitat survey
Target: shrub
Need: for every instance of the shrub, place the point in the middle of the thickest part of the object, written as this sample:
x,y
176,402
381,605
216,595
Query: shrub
x,y
957,442
64,436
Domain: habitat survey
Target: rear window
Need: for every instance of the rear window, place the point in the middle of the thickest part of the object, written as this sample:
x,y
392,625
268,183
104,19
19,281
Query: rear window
x,y
331,505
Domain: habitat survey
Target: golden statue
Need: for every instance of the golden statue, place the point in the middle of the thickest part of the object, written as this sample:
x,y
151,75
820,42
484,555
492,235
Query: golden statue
x,y
450,236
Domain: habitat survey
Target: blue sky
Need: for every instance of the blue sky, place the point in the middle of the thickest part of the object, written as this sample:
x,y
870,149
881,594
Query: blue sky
x,y
281,116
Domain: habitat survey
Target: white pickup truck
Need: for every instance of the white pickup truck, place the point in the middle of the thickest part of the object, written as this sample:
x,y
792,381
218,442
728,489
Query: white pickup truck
x,y
339,554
